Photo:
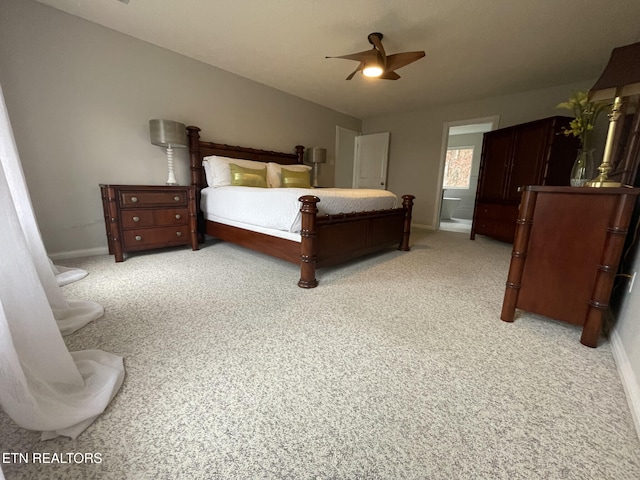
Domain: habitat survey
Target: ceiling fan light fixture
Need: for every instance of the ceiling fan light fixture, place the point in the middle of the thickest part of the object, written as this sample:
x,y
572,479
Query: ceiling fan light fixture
x,y
375,63
372,71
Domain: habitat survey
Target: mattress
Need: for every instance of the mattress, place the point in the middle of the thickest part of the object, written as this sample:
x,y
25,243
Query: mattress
x,y
278,209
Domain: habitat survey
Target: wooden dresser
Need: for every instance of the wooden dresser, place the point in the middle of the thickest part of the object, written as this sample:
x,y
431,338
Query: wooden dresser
x,y
533,153
566,253
144,217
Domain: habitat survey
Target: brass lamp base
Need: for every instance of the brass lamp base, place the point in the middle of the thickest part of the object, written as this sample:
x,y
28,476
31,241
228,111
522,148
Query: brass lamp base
x,y
602,181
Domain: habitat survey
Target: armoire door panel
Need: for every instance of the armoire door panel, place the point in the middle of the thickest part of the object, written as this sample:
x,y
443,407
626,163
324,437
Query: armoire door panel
x,y
529,152
496,156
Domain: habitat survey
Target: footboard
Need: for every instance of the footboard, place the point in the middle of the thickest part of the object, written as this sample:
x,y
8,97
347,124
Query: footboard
x,y
332,239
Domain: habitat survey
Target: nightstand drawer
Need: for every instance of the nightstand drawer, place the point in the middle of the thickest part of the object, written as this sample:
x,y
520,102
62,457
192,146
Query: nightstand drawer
x,y
156,237
152,218
133,199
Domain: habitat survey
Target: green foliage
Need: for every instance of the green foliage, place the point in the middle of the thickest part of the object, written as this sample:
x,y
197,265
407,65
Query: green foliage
x,y
585,112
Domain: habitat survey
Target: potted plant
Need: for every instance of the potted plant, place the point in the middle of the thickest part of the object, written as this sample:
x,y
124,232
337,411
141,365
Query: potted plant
x,y
585,115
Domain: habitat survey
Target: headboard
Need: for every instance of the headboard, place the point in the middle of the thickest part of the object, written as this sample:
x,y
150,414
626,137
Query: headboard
x,y
199,149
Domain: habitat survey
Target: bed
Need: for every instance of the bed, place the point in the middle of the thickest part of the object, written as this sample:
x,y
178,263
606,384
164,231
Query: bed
x,y
317,239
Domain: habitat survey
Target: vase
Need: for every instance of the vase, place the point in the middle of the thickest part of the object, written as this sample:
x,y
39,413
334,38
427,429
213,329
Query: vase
x,y
584,168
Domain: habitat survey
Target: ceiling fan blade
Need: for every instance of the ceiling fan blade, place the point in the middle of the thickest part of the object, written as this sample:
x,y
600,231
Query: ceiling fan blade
x,y
389,75
360,67
366,56
399,60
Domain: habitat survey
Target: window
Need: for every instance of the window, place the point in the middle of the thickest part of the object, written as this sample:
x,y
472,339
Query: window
x,y
457,167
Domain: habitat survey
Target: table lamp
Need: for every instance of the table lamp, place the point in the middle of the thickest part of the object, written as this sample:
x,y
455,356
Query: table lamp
x,y
167,133
317,155
620,78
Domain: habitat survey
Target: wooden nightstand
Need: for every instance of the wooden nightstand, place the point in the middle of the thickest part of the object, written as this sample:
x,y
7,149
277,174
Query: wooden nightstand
x,y
565,257
144,217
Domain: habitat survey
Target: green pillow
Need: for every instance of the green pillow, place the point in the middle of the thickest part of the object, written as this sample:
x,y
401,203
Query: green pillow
x,y
292,179
248,177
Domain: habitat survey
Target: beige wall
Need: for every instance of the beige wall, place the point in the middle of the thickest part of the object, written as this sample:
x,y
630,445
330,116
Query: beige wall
x,y
628,330
626,335
80,97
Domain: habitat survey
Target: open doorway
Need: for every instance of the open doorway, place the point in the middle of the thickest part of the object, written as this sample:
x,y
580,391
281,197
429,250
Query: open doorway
x,y
459,167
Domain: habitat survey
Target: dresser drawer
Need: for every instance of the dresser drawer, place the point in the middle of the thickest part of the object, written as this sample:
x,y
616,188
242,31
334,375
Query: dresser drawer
x,y
136,218
157,237
135,199
500,230
496,220
496,211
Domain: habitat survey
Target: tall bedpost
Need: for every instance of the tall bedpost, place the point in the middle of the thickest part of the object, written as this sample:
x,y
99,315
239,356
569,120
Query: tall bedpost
x,y
300,153
195,164
195,161
308,246
407,204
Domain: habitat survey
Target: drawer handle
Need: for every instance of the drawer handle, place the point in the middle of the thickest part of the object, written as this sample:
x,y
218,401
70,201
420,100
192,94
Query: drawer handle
x,y
178,234
178,216
134,199
138,238
136,219
176,198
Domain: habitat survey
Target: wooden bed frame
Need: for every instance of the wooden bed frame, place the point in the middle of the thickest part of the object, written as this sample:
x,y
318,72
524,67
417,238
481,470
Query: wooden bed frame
x,y
326,239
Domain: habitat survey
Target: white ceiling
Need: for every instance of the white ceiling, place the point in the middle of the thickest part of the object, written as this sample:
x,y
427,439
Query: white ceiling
x,y
474,49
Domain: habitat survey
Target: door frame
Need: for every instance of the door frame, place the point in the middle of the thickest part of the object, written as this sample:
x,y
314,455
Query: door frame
x,y
342,134
494,120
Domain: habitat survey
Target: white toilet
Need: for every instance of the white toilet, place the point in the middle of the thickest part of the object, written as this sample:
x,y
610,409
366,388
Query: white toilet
x,y
449,205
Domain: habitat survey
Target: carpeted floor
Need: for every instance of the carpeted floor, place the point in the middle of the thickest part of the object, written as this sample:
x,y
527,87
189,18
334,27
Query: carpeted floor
x,y
396,367
461,225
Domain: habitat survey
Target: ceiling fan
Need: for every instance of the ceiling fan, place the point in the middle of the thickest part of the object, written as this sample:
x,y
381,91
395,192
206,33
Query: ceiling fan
x,y
376,63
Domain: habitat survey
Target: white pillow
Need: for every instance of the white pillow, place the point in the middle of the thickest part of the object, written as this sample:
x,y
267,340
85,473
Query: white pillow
x,y
207,171
217,172
274,172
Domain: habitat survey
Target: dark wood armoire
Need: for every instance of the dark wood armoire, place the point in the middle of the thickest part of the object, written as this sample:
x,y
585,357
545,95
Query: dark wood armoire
x,y
532,153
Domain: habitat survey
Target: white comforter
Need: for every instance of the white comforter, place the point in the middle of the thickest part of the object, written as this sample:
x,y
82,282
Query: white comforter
x,y
279,208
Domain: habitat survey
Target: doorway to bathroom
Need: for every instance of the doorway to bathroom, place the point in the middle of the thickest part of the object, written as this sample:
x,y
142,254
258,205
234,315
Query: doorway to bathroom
x,y
459,167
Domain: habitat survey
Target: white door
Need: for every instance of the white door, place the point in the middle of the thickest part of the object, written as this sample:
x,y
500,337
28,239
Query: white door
x,y
370,163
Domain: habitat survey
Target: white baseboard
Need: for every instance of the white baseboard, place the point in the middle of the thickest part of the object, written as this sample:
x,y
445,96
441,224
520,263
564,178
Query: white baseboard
x,y
629,380
87,252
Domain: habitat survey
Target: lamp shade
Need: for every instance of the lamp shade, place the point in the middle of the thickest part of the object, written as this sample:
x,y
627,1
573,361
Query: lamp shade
x,y
166,133
317,155
621,76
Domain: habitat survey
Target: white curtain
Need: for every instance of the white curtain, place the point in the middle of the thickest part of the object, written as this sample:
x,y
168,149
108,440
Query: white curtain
x,y
43,386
